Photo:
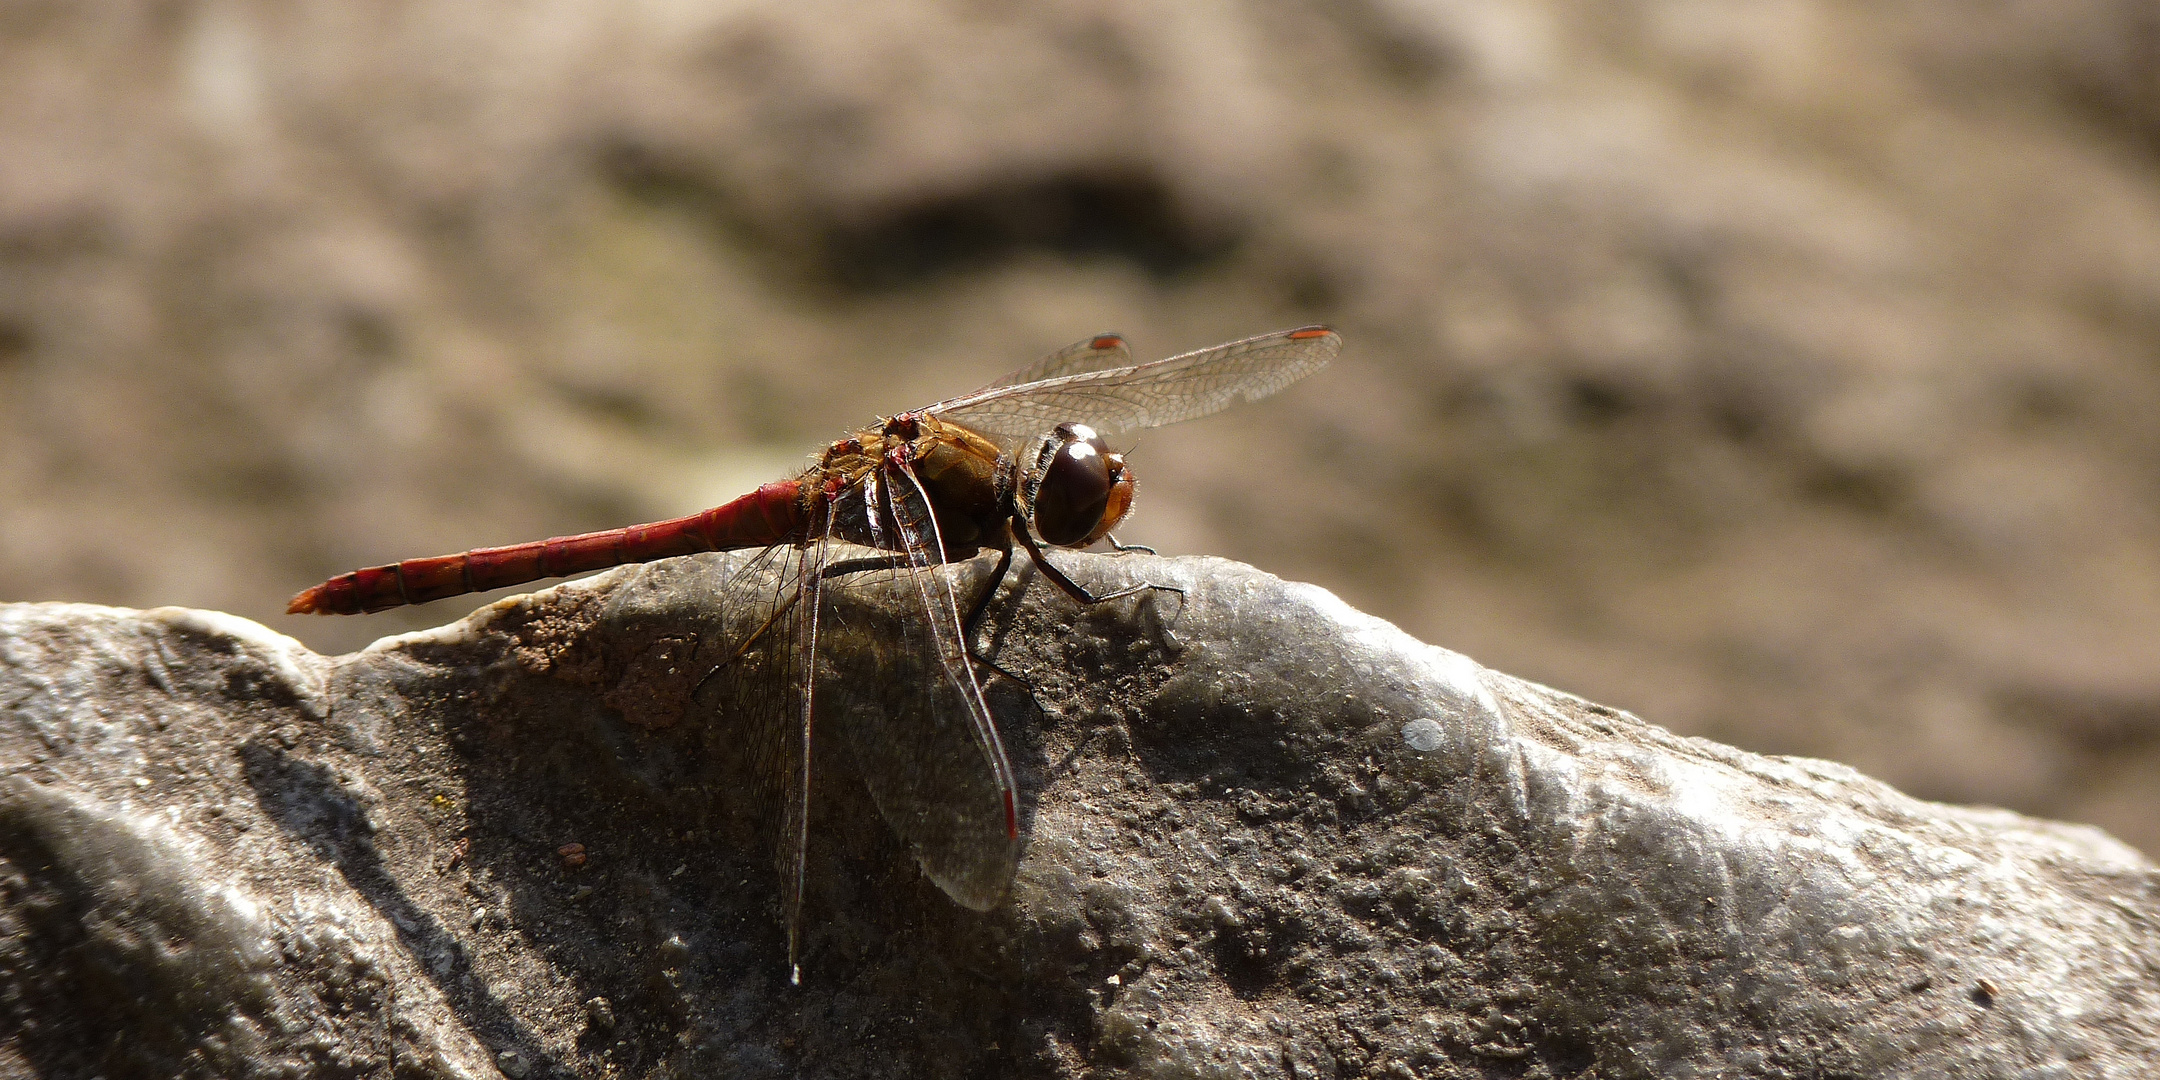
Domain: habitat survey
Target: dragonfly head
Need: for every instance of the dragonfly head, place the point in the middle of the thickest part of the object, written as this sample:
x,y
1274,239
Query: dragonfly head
x,y
1077,490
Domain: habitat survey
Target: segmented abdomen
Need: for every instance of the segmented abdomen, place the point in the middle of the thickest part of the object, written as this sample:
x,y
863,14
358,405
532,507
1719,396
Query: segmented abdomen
x,y
772,514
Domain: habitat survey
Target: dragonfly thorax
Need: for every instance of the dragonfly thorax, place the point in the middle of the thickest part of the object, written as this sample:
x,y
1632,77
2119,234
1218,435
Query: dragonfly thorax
x,y
1077,490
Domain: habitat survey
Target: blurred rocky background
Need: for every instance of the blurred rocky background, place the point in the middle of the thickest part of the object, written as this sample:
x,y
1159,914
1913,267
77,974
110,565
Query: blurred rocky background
x,y
1786,371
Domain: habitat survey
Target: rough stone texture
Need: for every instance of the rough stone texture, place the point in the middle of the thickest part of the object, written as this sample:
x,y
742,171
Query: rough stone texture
x,y
1267,836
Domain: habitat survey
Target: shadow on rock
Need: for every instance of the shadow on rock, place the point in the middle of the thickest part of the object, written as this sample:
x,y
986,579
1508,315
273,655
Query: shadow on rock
x,y
312,806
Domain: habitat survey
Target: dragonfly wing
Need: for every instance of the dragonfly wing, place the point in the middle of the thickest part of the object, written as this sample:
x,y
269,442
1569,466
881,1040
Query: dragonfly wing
x,y
1088,354
758,686
1149,395
930,753
802,640
768,677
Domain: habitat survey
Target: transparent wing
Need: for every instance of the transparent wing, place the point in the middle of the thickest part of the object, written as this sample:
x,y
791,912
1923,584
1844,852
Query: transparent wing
x,y
759,685
770,684
1149,395
924,738
1104,350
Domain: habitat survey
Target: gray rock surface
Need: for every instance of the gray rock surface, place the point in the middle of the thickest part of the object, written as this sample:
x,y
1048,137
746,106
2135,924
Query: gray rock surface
x,y
1266,835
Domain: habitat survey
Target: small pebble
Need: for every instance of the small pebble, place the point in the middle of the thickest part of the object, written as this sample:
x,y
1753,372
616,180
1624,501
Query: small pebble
x,y
1424,735
600,1015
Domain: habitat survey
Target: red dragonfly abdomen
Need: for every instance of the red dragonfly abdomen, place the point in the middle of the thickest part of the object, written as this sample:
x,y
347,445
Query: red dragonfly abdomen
x,y
772,514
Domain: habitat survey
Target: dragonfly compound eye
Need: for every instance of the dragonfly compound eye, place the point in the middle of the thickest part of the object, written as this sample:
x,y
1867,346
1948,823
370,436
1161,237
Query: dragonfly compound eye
x,y
1074,488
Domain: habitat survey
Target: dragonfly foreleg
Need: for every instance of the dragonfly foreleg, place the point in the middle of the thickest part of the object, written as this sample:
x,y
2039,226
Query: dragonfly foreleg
x,y
1074,589
1123,548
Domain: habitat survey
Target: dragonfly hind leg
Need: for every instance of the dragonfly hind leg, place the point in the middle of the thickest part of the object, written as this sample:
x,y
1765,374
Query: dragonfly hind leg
x,y
982,603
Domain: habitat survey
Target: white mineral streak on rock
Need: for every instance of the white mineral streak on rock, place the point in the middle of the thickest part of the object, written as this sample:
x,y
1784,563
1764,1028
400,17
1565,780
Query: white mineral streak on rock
x,y
297,666
462,632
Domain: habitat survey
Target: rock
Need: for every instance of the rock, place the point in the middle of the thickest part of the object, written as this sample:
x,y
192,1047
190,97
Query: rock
x,y
1265,835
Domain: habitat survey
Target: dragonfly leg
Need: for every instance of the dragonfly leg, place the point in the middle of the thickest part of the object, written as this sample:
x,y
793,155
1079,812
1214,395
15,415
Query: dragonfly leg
x,y
974,622
1025,686
1073,588
969,625
1121,548
868,562
845,566
771,619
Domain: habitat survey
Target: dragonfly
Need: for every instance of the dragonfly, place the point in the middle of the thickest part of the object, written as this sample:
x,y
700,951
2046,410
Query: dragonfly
x,y
1025,460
